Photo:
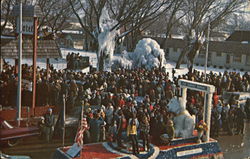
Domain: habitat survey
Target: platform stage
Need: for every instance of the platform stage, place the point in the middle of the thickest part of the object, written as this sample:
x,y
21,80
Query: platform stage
x,y
179,148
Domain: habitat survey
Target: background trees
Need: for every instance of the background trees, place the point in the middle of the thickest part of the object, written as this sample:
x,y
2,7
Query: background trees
x,y
6,7
54,14
107,21
195,22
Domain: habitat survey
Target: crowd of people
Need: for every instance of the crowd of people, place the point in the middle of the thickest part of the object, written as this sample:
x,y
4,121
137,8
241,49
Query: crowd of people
x,y
120,108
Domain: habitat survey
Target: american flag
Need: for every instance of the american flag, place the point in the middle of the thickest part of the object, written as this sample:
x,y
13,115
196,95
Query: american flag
x,y
79,135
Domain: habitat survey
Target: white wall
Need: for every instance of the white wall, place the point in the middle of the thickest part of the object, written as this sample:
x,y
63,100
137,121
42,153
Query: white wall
x,y
174,55
219,60
215,60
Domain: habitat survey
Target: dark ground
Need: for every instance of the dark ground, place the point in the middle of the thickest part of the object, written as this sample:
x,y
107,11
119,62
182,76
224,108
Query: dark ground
x,y
233,147
238,146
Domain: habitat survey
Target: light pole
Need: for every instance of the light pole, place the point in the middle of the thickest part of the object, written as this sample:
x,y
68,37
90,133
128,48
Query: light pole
x,y
19,92
208,34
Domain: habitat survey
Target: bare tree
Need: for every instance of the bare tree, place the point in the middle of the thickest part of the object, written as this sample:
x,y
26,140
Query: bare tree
x,y
126,15
195,22
6,7
173,17
54,13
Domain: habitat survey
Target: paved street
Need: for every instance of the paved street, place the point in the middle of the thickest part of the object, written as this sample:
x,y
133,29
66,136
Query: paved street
x,y
238,146
36,148
234,147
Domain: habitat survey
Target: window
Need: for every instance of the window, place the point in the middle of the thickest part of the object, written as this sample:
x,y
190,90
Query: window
x,y
209,56
167,50
219,54
228,59
202,55
237,58
248,60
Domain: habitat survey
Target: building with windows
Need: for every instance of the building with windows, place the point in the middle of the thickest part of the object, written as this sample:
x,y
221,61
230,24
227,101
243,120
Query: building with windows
x,y
234,52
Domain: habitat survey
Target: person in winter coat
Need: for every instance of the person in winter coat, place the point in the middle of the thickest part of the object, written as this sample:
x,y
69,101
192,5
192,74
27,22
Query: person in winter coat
x,y
247,108
240,116
144,129
112,132
109,114
169,135
49,121
215,122
122,125
215,99
95,128
225,119
132,133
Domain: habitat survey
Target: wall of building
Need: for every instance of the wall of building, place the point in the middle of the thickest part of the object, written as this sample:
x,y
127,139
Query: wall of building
x,y
239,64
219,59
215,59
174,54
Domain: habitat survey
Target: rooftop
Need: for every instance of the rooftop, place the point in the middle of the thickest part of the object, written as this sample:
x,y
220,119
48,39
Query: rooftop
x,y
239,35
45,49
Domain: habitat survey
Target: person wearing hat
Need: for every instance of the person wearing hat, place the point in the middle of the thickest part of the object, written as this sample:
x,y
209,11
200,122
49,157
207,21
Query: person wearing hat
x,y
49,120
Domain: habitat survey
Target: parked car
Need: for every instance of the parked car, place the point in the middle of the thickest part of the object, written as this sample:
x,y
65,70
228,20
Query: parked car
x,y
4,156
11,135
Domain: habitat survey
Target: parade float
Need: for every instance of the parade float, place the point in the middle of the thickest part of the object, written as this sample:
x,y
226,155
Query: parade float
x,y
187,144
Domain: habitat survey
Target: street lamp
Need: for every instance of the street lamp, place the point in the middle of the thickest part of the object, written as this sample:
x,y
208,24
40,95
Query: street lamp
x,y
27,21
207,42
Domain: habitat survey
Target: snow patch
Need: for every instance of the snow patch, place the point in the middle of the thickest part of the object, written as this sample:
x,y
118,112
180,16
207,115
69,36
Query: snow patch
x,y
148,54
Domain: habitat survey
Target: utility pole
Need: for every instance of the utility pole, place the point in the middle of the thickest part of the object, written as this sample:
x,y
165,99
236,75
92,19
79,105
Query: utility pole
x,y
63,118
208,34
19,87
34,64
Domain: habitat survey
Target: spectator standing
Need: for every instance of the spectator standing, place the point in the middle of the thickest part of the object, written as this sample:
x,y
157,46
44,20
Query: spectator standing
x,y
95,128
240,116
49,121
247,108
215,122
122,124
112,132
132,133
109,114
144,129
